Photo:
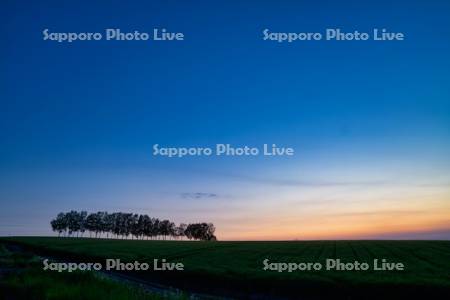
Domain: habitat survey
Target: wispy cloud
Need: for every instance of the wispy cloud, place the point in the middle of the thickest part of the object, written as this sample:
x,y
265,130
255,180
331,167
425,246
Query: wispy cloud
x,y
377,213
312,183
327,183
198,195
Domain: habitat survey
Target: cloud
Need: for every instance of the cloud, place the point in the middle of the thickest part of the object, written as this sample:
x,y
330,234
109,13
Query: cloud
x,y
378,213
313,183
198,195
328,183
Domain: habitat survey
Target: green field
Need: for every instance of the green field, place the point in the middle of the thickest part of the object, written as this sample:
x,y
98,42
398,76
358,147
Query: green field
x,y
235,269
22,277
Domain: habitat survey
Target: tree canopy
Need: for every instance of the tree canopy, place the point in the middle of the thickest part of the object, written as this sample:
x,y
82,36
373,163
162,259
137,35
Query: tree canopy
x,y
119,224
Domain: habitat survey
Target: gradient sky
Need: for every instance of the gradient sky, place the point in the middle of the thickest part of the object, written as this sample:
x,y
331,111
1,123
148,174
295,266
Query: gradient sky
x,y
369,121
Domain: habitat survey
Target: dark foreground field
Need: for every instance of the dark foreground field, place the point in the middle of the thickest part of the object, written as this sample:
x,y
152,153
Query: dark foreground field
x,y
235,269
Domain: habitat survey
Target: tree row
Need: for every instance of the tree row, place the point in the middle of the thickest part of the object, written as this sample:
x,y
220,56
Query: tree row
x,y
123,225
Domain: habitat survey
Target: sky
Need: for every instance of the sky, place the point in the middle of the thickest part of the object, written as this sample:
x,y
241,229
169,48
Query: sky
x,y
369,120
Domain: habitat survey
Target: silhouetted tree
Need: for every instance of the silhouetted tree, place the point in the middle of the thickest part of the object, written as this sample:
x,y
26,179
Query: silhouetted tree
x,y
122,225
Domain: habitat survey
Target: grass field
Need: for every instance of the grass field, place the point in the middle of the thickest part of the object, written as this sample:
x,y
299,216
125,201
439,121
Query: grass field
x,y
236,268
22,277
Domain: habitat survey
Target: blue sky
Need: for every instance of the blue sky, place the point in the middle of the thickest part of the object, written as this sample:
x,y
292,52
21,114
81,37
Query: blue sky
x,y
370,121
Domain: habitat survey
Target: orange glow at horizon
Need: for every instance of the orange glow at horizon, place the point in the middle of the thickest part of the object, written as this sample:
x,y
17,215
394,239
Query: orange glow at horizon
x,y
339,221
338,232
